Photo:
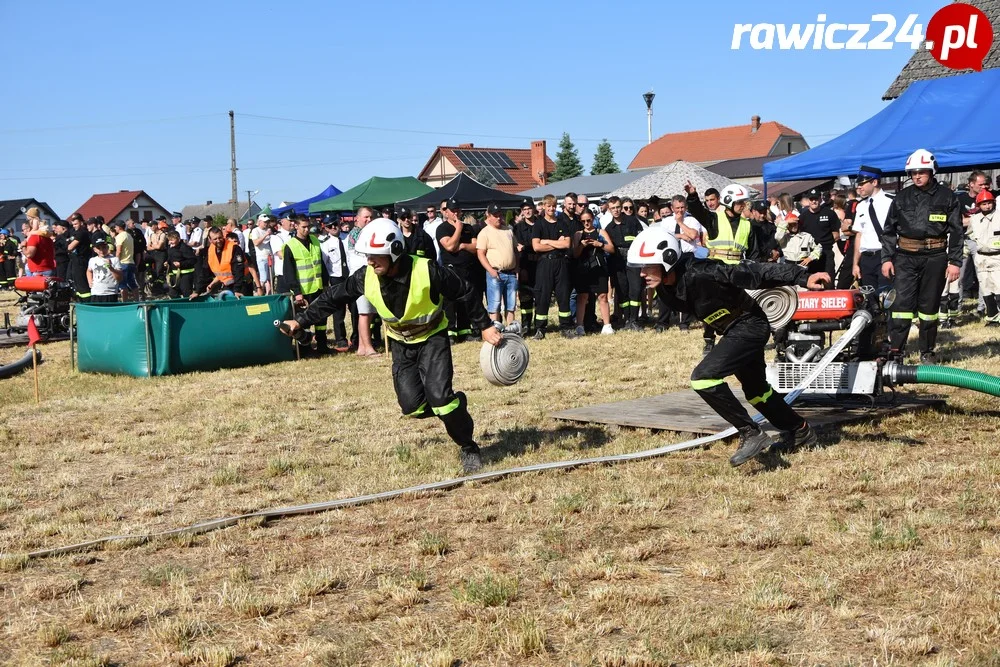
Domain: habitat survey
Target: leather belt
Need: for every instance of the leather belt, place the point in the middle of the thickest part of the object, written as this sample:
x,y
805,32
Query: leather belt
x,y
871,252
916,245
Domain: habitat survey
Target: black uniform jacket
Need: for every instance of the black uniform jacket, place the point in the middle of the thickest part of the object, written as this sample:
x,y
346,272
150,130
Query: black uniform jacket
x,y
924,214
715,292
444,283
182,253
710,222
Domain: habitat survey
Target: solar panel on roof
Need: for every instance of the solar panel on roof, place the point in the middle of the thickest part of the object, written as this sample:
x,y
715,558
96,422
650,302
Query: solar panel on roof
x,y
505,161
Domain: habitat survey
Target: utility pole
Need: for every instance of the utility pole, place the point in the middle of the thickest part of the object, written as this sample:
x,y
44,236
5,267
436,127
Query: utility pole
x,y
232,149
649,120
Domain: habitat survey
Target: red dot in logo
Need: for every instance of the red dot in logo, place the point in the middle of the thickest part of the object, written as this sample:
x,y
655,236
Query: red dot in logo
x,y
959,36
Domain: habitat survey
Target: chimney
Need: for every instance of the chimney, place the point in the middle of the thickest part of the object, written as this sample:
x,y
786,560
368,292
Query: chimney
x,y
465,146
208,203
754,123
538,161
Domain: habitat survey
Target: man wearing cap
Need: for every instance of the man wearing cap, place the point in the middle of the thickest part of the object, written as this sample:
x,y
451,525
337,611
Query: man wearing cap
x,y
408,293
497,252
125,252
157,247
179,227
61,243
527,265
260,239
922,243
305,273
104,274
458,252
335,262
871,214
277,242
417,241
823,224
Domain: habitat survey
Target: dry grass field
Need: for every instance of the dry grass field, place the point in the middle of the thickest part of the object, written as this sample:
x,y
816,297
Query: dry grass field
x,y
879,547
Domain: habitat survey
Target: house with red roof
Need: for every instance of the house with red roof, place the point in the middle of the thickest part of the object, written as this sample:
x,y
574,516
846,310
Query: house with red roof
x,y
507,169
122,205
707,147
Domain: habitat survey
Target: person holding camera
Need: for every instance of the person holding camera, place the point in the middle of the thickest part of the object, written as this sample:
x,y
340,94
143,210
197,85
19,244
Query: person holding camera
x,y
590,271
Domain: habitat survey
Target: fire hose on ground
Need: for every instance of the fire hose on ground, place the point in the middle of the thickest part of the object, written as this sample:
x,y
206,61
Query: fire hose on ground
x,y
861,320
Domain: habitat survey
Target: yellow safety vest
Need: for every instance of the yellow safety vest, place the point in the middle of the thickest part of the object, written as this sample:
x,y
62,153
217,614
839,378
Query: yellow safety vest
x,y
724,247
422,318
308,264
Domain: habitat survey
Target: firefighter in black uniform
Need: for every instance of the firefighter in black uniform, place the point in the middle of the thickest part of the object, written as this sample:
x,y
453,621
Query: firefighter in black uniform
x,y
922,242
61,243
408,293
824,225
552,238
527,266
715,292
458,252
627,283
79,255
8,259
181,261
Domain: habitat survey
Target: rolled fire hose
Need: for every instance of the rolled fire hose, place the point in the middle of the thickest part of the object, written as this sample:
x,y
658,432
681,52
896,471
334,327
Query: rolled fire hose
x,y
860,321
506,363
15,367
779,304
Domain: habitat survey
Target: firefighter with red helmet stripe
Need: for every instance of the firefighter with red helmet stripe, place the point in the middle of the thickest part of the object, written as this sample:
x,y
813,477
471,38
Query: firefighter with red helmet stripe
x,y
715,292
922,245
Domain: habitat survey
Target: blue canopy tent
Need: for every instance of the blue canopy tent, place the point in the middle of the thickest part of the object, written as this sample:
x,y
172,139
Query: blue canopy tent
x,y
302,207
950,117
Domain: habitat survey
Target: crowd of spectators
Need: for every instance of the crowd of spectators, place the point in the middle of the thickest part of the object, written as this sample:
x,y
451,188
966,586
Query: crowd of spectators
x,y
570,250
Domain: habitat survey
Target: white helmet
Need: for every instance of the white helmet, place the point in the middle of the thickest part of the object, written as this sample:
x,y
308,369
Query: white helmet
x,y
921,159
381,237
732,194
654,245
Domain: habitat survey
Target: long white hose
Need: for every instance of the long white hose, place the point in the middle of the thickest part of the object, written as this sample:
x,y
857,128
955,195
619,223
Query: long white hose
x,y
860,321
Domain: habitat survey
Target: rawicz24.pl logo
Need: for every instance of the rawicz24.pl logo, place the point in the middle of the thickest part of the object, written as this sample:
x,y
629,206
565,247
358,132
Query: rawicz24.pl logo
x,y
959,35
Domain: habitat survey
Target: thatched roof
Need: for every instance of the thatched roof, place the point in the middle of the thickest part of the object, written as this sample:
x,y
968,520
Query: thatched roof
x,y
922,65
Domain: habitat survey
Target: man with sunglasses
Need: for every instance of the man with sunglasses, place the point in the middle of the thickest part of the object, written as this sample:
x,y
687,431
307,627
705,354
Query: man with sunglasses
x,y
431,225
922,243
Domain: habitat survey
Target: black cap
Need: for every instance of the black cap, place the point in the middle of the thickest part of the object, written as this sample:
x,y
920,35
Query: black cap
x,y
604,200
866,174
175,214
454,205
291,215
403,212
813,194
760,206
99,241
493,208
527,202
161,218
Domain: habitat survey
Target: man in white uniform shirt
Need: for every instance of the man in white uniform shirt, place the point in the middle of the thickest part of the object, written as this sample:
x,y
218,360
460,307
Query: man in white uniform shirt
x,y
278,240
334,256
431,226
873,208
179,227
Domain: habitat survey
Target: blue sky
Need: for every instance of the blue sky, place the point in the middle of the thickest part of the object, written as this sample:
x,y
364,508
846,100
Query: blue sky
x,y
104,96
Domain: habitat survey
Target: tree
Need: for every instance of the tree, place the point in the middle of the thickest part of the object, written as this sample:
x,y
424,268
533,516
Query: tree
x,y
483,176
567,161
604,160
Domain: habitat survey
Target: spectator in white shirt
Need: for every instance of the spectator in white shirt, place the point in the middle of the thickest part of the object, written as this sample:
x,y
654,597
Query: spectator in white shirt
x,y
260,237
431,225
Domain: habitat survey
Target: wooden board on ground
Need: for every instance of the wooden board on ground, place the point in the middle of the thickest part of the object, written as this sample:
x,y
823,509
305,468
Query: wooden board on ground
x,y
685,411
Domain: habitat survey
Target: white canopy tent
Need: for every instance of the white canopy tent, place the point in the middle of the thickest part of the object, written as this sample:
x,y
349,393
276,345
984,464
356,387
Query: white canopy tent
x,y
669,180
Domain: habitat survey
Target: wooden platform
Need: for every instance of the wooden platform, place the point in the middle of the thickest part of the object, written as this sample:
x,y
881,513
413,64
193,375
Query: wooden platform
x,y
686,412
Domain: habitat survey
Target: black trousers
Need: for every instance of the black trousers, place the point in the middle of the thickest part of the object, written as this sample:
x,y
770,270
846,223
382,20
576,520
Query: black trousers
x,y
845,273
340,315
629,288
870,264
158,259
8,272
320,328
422,375
920,279
184,285
78,277
740,352
552,277
458,313
62,269
526,293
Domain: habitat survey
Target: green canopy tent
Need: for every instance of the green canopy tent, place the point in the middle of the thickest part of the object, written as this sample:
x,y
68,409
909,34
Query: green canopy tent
x,y
376,191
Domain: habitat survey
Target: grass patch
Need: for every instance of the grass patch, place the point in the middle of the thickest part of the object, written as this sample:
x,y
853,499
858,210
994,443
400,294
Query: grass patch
x,y
52,635
432,544
489,590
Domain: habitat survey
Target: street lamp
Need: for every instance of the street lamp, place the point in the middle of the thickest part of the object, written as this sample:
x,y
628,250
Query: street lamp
x,y
649,115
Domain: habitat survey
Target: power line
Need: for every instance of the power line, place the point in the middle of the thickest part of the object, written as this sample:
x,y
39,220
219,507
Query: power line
x,y
103,125
426,132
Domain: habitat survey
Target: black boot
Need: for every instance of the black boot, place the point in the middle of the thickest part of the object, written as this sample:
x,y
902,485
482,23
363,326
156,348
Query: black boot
x,y
752,442
804,436
471,459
